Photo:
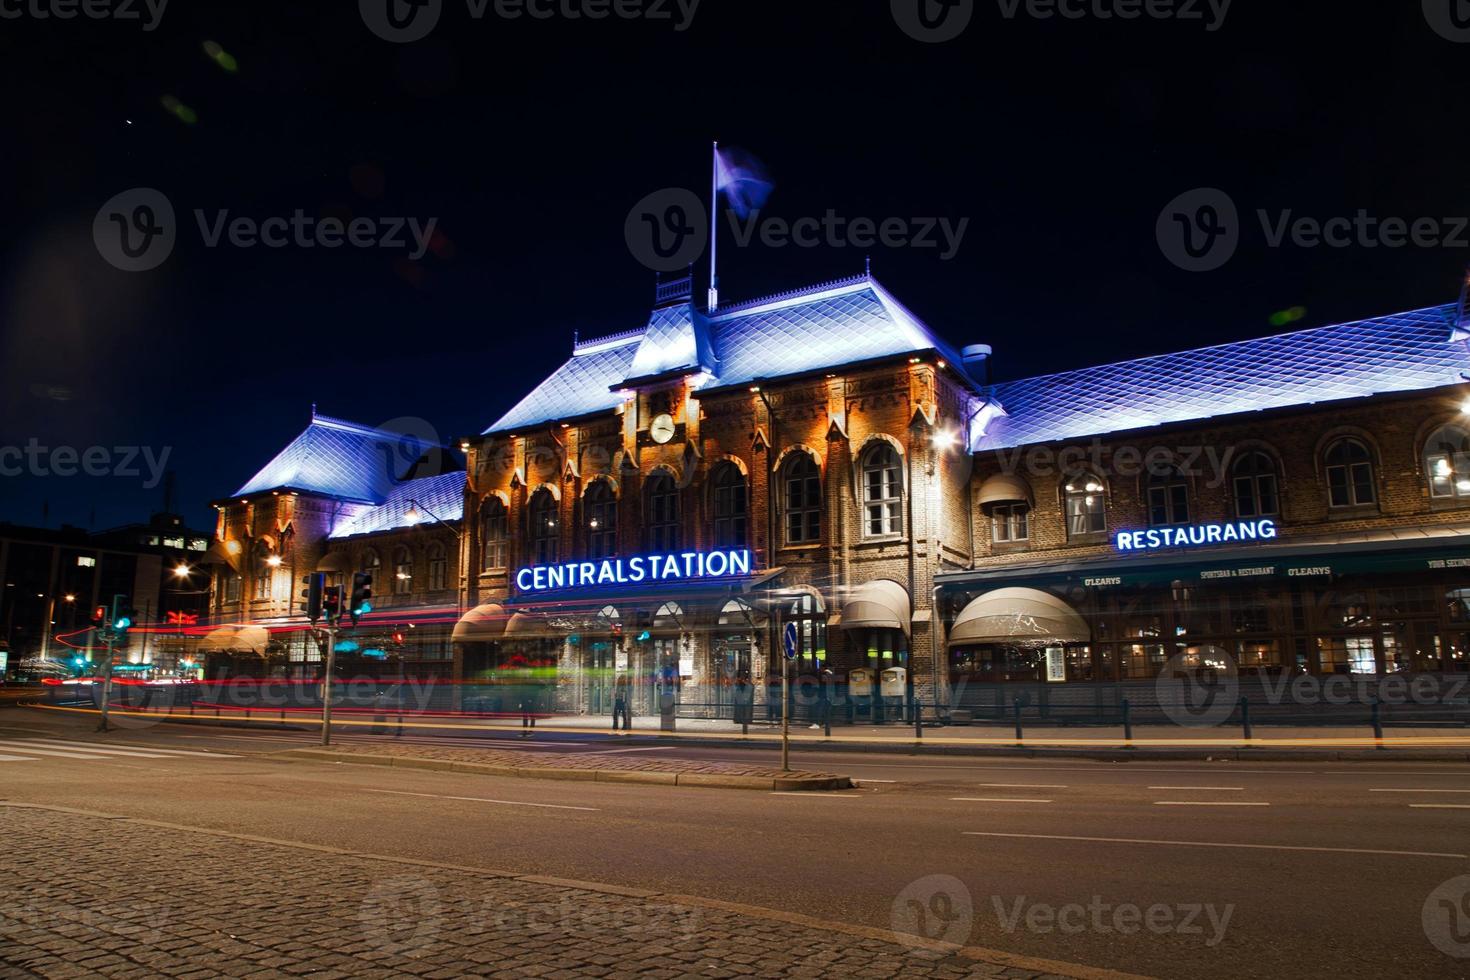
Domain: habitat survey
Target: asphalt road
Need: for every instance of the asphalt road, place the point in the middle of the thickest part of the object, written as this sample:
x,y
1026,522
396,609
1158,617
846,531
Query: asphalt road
x,y
1176,870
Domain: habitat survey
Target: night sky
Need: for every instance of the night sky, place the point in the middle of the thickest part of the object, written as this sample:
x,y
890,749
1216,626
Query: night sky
x,y
1060,140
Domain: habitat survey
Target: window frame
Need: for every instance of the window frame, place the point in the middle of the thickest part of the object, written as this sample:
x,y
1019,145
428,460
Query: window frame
x,y
1438,451
600,520
494,535
1069,495
663,512
808,512
1256,477
883,461
729,506
438,559
402,566
1008,516
1167,495
1351,471
543,527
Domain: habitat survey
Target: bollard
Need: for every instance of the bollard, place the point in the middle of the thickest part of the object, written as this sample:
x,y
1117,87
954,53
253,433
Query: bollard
x,y
1377,722
1127,721
1016,705
1245,717
918,719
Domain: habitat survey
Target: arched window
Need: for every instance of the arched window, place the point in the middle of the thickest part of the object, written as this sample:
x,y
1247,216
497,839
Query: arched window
x,y
600,509
1447,463
730,506
1168,497
264,570
402,572
1350,474
661,501
494,534
882,491
801,483
1254,481
1087,504
545,534
438,568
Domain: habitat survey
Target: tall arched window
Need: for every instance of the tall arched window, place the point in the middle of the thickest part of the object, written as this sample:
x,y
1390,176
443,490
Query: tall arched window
x,y
600,512
661,502
1253,479
1168,497
264,570
545,533
730,506
438,568
372,564
1350,474
1447,463
494,534
402,572
801,483
1087,505
882,491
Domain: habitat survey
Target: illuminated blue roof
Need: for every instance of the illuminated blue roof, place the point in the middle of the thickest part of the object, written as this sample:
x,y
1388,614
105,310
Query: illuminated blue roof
x,y
336,459
435,496
1399,353
795,333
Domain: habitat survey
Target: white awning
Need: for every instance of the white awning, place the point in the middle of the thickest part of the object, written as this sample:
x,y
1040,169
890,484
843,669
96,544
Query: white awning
x,y
1004,489
482,624
1024,616
219,640
239,639
880,604
530,626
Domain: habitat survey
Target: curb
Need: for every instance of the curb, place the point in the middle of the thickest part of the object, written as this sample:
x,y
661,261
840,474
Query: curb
x,y
993,957
707,780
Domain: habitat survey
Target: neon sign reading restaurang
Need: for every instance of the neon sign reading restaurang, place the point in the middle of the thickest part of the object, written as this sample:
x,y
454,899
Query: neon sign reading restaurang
x,y
689,565
1196,536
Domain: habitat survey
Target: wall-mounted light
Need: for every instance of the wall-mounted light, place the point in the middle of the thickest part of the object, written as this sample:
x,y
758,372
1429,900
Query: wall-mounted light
x,y
274,561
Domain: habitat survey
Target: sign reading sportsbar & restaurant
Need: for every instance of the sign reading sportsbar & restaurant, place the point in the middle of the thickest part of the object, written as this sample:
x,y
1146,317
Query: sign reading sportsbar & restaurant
x,y
689,566
1196,536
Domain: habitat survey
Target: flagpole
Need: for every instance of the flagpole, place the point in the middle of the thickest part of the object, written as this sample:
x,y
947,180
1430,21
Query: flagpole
x,y
714,228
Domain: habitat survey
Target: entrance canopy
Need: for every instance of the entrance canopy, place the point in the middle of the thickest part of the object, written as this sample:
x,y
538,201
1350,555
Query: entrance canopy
x,y
1024,616
881,604
237,639
1004,489
482,624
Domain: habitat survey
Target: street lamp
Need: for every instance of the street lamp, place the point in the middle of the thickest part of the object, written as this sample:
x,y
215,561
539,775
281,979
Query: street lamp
x,y
417,511
182,571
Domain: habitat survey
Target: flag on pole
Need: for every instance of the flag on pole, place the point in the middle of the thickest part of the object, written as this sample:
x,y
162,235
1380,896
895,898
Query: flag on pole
x,y
743,179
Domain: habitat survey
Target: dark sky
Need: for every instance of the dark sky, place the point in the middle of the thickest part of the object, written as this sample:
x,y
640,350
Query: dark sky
x,y
1060,140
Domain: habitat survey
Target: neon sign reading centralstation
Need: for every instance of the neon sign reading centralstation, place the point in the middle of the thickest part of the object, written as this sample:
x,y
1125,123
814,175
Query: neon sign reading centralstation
x,y
687,566
1196,536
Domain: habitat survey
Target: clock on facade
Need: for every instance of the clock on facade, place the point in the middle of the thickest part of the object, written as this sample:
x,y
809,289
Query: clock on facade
x,y
662,429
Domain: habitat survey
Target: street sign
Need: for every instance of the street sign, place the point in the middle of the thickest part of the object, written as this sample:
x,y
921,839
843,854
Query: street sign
x,y
789,637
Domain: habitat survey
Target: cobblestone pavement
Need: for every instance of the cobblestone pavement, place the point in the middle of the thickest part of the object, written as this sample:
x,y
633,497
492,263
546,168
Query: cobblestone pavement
x,y
84,895
628,762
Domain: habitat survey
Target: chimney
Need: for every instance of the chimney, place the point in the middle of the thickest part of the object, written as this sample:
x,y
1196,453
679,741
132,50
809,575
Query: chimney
x,y
977,362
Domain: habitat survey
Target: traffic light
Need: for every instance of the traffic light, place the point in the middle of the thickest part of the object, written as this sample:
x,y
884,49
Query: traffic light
x,y
101,618
332,603
362,594
316,584
122,618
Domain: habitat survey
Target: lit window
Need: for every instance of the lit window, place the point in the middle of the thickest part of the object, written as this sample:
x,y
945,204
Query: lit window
x,y
731,506
600,506
264,572
402,572
1011,522
1168,498
802,483
494,534
438,568
545,529
1447,463
882,491
1254,481
661,499
1087,508
1350,474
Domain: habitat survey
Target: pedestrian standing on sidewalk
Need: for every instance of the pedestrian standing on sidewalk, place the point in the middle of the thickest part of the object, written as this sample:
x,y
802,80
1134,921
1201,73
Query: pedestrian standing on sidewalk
x,y
620,703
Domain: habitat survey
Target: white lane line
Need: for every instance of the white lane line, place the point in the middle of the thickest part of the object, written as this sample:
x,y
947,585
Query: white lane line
x,y
1419,791
57,753
79,747
477,799
1439,806
822,796
656,748
1198,843
875,780
990,799
94,747
1205,803
1023,785
1205,789
16,758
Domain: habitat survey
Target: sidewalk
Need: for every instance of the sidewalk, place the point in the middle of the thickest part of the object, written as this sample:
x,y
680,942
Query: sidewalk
x,y
596,767
163,900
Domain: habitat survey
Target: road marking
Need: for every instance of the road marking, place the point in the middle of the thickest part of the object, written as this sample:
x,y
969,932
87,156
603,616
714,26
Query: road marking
x,y
1205,803
16,758
1197,843
57,753
989,799
1023,785
822,796
1419,791
1206,789
1439,806
656,748
121,749
477,799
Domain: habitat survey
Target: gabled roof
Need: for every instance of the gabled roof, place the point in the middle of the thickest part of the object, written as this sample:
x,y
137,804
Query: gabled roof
x,y
822,326
435,496
335,458
1398,353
